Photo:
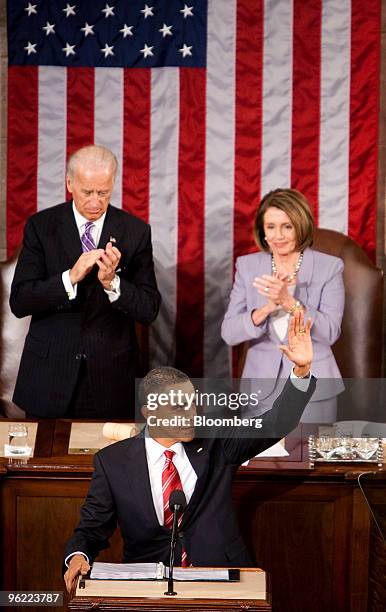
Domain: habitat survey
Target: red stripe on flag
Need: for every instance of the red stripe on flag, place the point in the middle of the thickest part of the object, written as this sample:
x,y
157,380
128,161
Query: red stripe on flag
x,y
136,164
136,142
364,105
22,156
307,25
80,108
248,117
249,75
191,206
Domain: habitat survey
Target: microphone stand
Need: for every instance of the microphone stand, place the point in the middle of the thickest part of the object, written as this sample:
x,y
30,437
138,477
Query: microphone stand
x,y
171,591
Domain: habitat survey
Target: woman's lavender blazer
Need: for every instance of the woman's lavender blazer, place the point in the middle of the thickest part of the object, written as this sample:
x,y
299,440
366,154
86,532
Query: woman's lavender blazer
x,y
319,287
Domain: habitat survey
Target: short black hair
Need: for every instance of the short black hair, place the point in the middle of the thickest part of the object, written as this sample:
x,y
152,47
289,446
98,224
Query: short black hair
x,y
159,380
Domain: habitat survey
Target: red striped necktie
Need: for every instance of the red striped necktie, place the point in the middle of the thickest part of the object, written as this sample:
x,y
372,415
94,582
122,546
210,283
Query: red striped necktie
x,y
170,481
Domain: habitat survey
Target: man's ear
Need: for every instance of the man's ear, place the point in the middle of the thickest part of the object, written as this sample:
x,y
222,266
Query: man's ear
x,y
146,411
69,183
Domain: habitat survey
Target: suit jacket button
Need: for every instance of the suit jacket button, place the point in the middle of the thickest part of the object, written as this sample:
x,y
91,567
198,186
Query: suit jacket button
x,y
78,356
181,534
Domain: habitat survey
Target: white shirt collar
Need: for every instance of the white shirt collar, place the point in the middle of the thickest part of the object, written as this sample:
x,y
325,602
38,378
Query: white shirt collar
x,y
155,450
81,221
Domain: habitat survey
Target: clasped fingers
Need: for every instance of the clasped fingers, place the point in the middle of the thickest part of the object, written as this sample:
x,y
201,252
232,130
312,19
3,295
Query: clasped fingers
x,y
113,255
271,287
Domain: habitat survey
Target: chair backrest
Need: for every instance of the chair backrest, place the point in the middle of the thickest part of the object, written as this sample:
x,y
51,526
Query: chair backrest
x,y
12,335
359,349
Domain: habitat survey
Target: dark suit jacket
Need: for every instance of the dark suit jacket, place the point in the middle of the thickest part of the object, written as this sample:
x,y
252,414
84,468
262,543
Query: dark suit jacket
x,y
63,330
120,492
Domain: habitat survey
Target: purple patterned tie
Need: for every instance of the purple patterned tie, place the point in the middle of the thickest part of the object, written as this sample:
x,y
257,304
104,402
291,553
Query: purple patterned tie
x,y
87,240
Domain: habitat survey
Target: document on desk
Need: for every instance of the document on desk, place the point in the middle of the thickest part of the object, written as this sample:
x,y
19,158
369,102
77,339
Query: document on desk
x,y
190,574
127,571
158,571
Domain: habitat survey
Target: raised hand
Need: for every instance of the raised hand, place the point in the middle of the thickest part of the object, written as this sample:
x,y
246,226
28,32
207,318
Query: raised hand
x,y
299,349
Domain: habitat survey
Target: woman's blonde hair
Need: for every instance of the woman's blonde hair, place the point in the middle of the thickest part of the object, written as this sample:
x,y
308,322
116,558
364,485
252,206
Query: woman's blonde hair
x,y
296,206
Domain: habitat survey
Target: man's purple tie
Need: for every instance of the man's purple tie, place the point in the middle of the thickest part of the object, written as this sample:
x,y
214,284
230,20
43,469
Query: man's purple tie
x,y
87,240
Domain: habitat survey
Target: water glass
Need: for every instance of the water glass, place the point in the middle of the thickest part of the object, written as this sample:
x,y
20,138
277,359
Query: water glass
x,y
17,439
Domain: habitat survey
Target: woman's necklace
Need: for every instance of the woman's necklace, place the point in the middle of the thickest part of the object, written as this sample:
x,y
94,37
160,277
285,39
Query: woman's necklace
x,y
290,277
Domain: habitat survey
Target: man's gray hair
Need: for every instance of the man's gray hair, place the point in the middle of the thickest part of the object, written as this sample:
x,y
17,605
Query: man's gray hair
x,y
92,155
158,381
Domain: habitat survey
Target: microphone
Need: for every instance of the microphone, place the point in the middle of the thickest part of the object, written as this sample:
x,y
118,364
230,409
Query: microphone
x,y
177,504
177,501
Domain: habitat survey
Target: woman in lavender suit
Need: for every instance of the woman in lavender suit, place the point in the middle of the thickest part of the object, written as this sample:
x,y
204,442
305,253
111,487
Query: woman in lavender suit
x,y
287,275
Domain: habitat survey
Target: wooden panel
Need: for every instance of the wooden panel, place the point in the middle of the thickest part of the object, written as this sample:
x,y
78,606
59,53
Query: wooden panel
x,y
310,528
303,542
377,572
54,519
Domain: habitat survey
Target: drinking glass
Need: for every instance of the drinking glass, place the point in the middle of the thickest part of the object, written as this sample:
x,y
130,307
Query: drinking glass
x,y
17,439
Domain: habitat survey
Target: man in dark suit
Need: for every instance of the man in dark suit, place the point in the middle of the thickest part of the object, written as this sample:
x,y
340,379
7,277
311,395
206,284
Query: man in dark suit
x,y
128,484
85,274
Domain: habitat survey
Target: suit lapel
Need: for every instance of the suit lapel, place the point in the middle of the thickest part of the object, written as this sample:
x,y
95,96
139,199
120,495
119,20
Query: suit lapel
x,y
68,233
305,276
138,476
198,455
139,480
265,267
112,229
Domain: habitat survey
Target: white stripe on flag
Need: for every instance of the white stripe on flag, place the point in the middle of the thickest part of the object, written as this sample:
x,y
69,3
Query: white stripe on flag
x,y
277,95
335,115
163,207
219,183
52,133
108,120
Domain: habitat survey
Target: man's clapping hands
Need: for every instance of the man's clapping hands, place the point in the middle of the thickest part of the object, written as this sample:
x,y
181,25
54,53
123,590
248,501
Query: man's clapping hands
x,y
107,261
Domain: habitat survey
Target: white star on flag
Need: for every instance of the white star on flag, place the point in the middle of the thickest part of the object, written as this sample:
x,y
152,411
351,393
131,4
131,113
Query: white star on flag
x,y
165,30
31,8
185,50
69,49
147,11
108,10
69,10
127,31
147,51
49,28
30,48
88,29
187,11
108,50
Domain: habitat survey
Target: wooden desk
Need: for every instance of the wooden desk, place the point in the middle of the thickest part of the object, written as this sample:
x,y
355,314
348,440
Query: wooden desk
x,y
310,529
249,594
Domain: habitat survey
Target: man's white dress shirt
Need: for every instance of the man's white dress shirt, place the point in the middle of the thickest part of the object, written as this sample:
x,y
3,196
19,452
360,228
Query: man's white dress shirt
x,y
155,463
96,231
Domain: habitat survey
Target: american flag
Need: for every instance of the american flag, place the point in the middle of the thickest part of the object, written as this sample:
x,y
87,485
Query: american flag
x,y
208,104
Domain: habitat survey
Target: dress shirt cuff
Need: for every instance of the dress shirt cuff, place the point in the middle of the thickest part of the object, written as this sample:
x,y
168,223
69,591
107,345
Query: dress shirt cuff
x,y
69,287
301,384
114,294
77,552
